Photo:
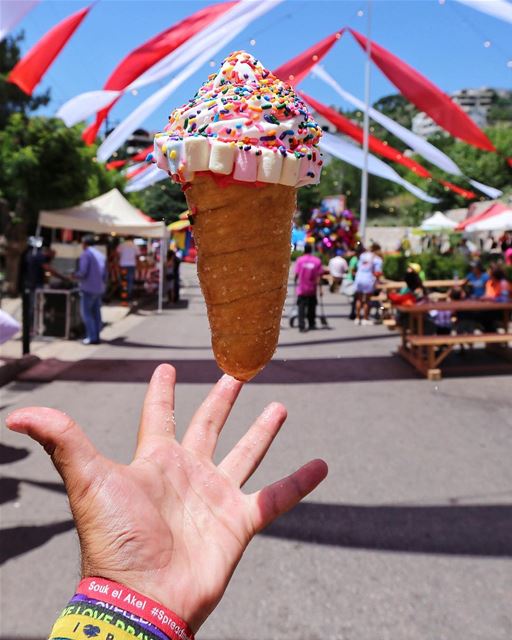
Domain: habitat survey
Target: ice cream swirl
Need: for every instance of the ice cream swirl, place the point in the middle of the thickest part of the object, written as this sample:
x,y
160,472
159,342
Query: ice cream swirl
x,y
244,123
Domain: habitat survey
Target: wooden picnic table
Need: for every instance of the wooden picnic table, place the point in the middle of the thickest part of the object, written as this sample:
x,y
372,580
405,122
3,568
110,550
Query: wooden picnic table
x,y
426,352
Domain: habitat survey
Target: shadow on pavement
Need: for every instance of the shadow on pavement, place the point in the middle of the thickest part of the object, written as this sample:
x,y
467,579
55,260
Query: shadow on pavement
x,y
10,454
10,487
123,342
296,371
16,541
477,530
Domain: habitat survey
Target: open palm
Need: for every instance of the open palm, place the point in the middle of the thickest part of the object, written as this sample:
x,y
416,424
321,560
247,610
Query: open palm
x,y
171,525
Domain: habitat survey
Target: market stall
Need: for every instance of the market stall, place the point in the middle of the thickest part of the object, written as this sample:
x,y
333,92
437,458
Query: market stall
x,y
109,213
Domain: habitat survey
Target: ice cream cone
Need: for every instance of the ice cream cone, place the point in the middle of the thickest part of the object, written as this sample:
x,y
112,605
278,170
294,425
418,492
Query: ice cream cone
x,y
240,148
242,267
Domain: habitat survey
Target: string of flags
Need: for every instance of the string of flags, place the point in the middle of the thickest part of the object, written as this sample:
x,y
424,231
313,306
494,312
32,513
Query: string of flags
x,y
190,43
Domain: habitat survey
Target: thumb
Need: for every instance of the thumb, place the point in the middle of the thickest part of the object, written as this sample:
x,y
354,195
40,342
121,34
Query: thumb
x,y
73,454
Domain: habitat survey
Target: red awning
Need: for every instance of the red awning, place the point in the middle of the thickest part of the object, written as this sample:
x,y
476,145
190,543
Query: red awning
x,y
493,210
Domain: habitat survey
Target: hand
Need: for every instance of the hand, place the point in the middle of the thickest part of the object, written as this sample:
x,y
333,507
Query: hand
x,y
171,524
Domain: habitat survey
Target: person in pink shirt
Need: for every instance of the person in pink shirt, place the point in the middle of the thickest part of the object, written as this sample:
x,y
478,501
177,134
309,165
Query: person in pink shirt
x,y
308,272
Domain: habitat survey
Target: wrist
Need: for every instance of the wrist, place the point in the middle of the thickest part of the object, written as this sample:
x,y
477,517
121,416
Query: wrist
x,y
119,608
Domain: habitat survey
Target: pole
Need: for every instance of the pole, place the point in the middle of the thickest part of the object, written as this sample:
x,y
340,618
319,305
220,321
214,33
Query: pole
x,y
163,260
366,128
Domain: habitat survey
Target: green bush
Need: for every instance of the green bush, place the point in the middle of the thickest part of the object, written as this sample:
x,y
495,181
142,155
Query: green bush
x,y
435,266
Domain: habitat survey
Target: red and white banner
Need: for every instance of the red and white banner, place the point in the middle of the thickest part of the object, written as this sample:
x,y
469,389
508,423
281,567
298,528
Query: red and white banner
x,y
426,96
203,50
12,12
30,69
146,178
421,146
348,152
142,63
295,70
149,53
344,125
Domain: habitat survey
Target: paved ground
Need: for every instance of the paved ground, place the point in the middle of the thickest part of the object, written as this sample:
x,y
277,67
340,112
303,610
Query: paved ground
x,y
409,538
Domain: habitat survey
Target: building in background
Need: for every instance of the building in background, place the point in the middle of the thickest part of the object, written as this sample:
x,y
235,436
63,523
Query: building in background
x,y
477,103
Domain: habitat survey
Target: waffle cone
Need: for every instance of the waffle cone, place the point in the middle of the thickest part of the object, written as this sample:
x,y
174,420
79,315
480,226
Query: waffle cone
x,y
242,236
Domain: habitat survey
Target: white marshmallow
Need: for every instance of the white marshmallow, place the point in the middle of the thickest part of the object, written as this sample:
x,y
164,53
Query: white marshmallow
x,y
222,156
197,153
290,170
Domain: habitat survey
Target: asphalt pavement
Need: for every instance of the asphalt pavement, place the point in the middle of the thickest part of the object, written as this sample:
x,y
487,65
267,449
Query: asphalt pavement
x,y
409,538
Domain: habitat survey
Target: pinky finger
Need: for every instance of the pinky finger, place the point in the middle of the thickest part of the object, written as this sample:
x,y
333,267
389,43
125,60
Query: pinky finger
x,y
281,496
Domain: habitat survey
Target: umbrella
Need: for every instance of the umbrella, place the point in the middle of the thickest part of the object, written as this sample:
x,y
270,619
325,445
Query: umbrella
x,y
438,222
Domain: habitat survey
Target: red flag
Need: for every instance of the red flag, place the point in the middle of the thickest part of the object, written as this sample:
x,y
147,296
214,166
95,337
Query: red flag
x,y
115,164
344,125
145,56
31,68
295,70
142,155
465,193
426,96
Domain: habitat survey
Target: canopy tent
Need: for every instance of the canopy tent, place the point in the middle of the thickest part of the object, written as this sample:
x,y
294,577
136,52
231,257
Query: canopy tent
x,y
438,222
499,222
109,213
493,210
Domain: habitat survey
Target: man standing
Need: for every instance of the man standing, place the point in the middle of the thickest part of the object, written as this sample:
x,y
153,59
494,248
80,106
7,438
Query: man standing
x,y
308,271
128,253
92,275
338,267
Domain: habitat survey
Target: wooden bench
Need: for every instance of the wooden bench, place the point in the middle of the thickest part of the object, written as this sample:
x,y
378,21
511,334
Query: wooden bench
x,y
422,349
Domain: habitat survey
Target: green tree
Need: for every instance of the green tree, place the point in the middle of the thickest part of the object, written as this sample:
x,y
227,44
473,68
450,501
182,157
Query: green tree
x,y
13,99
164,200
46,165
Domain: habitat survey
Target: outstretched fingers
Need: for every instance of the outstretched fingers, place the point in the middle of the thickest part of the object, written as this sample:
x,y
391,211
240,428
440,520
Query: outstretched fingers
x,y
245,457
73,454
157,419
277,498
204,429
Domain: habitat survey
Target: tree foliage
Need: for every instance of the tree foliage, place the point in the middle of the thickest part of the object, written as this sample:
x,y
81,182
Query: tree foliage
x,y
46,165
164,200
13,99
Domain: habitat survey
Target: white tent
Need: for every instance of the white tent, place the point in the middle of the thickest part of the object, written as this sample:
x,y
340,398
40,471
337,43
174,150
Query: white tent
x,y
438,222
109,213
500,222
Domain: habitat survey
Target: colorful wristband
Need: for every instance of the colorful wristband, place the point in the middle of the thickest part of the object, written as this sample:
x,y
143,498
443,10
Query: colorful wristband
x,y
83,601
75,627
97,613
140,605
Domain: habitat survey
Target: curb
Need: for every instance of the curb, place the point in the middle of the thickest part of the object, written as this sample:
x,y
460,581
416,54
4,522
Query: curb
x,y
11,369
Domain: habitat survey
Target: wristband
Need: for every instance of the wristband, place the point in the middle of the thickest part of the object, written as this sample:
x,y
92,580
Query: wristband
x,y
97,613
75,627
80,600
140,605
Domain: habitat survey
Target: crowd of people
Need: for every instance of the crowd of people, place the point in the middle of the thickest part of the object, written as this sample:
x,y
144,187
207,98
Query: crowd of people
x,y
359,274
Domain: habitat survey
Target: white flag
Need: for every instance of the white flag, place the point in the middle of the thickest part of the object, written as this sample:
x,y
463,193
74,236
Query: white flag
x,y
12,12
348,152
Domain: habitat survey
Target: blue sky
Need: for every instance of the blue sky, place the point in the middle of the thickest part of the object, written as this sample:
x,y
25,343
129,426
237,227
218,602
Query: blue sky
x,y
445,42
